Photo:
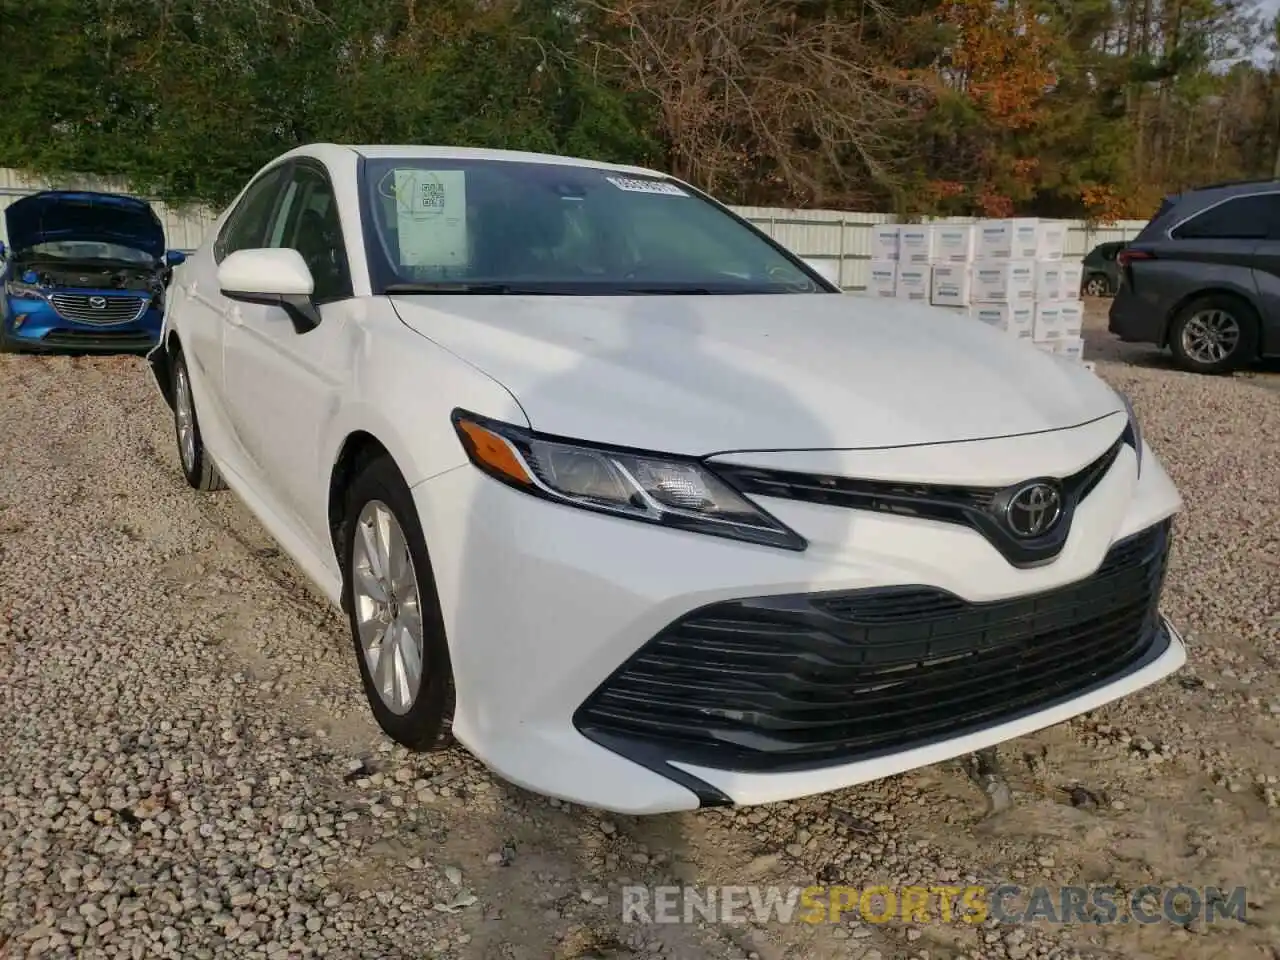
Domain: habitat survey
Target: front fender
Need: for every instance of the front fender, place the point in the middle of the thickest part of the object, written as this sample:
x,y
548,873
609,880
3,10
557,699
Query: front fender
x,y
404,389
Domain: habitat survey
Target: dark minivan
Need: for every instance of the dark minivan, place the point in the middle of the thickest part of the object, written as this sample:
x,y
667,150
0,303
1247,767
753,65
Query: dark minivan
x,y
1203,278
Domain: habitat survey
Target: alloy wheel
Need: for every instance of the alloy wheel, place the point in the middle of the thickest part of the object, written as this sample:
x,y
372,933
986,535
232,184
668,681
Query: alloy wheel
x,y
387,607
184,411
1210,336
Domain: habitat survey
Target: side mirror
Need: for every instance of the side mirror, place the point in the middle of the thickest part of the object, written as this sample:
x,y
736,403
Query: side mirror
x,y
829,270
174,257
275,277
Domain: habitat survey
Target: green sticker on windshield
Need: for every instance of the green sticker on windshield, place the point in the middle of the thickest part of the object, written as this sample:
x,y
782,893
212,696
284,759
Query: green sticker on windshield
x,y
431,217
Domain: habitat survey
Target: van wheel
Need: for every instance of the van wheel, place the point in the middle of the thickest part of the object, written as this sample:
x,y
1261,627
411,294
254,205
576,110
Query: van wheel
x,y
389,594
1214,334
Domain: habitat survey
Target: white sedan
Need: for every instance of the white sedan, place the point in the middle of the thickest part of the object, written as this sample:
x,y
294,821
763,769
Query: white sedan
x,y
636,501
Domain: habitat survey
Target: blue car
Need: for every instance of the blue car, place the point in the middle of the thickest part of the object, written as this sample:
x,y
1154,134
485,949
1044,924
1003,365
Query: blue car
x,y
83,272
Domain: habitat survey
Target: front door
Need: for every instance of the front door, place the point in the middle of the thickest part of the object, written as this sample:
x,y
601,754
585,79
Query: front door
x,y
204,310
283,386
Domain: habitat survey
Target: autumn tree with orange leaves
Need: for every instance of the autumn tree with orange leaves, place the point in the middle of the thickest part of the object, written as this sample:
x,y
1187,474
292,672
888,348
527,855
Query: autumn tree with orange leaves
x,y
987,88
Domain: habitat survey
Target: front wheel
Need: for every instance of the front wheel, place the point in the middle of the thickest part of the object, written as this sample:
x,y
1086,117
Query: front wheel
x,y
196,465
1213,334
389,594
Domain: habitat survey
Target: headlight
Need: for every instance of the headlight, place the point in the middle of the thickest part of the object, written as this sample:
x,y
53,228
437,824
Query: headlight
x,y
672,491
1133,432
23,291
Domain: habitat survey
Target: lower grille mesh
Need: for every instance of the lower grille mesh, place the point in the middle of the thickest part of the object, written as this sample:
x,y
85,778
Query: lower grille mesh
x,y
778,682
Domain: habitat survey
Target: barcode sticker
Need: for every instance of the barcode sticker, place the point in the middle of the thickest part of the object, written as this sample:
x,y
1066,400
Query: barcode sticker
x,y
635,185
431,217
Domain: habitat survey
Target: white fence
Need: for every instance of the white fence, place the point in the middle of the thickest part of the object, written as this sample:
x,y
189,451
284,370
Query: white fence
x,y
843,237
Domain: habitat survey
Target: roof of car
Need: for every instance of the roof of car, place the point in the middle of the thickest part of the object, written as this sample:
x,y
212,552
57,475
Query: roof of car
x,y
331,151
1271,182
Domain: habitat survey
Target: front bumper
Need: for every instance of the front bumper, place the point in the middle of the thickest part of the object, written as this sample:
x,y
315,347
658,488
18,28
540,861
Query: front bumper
x,y
544,604
34,325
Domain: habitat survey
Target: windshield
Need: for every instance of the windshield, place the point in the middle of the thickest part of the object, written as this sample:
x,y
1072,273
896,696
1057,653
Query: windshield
x,y
87,250
502,226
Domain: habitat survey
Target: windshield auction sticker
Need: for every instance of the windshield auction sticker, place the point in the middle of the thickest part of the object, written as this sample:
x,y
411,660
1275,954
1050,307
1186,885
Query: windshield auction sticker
x,y
633,185
431,217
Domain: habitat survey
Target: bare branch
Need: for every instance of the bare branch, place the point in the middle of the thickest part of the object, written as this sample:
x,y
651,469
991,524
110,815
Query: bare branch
x,y
753,89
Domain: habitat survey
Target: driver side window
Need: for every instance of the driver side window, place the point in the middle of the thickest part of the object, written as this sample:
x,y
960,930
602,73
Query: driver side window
x,y
247,224
307,221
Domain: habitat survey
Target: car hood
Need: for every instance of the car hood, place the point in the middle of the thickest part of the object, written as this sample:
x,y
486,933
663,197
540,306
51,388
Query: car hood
x,y
89,217
710,374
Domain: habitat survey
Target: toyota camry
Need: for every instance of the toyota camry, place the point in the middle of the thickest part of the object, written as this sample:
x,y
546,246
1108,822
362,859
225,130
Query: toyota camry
x,y
635,502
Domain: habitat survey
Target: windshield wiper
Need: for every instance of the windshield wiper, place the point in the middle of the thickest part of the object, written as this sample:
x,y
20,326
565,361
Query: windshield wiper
x,y
664,291
480,289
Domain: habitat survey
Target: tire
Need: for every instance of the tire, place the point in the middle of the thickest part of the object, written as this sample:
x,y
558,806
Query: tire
x,y
1214,334
1097,285
197,467
378,502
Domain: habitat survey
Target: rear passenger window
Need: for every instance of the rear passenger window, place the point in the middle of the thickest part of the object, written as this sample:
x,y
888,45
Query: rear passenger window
x,y
1241,218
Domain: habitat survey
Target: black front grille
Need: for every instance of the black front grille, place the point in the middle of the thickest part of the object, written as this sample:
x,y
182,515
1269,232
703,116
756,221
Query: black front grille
x,y
974,507
800,681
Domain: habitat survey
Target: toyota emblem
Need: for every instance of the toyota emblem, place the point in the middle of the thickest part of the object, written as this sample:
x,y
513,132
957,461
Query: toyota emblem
x,y
1033,510
98,303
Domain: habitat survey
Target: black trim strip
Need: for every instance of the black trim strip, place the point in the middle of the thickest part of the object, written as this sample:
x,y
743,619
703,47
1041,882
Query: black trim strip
x,y
979,508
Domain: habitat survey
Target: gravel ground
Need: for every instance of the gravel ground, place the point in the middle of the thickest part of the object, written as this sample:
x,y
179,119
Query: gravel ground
x,y
189,771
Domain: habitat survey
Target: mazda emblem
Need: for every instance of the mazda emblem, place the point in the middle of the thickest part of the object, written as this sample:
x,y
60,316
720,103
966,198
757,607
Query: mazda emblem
x,y
98,303
1033,510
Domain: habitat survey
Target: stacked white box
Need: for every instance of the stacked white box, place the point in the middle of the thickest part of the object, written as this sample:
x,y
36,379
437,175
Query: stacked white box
x,y
1003,281
912,282
1048,280
1015,319
1051,240
1071,278
882,278
1058,320
953,242
884,241
915,243
1059,313
1072,313
949,285
1048,327
1014,239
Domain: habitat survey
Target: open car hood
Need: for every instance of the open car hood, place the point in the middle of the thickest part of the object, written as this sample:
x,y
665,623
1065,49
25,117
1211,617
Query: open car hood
x,y
75,215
